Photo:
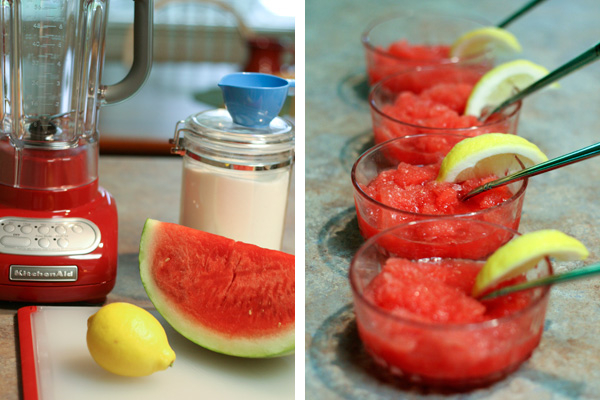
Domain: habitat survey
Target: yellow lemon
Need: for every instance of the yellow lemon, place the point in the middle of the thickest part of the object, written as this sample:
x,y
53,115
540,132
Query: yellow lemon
x,y
523,253
487,154
479,40
127,340
501,82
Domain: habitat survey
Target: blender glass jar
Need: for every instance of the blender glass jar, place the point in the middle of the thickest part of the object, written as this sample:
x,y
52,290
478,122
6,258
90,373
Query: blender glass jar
x,y
52,54
235,178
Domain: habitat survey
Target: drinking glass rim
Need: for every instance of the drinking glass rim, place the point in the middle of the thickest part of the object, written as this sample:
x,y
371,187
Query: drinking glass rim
x,y
361,192
439,326
508,113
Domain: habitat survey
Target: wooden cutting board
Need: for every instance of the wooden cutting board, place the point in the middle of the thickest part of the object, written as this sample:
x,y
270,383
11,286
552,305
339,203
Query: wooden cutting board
x,y
56,364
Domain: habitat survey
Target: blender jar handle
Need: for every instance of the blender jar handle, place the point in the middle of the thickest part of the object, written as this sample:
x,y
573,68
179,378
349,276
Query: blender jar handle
x,y
142,56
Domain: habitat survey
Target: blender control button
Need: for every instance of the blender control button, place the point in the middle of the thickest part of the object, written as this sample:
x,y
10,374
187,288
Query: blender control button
x,y
62,242
77,228
26,229
9,228
15,241
43,229
43,242
61,230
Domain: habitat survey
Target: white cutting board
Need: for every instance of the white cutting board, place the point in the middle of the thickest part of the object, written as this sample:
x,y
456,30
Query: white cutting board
x,y
65,370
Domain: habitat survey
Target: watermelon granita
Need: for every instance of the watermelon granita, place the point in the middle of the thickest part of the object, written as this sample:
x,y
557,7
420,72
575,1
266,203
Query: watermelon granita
x,y
388,192
418,320
412,39
383,61
432,100
230,297
415,189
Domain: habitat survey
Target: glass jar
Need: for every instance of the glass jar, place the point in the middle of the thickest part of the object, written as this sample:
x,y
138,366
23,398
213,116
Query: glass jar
x,y
236,179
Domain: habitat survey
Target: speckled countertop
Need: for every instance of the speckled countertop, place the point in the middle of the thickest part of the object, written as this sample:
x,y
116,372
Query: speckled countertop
x,y
143,187
567,363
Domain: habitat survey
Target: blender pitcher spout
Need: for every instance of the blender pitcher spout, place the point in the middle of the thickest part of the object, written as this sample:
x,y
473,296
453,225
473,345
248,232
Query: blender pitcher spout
x,y
142,56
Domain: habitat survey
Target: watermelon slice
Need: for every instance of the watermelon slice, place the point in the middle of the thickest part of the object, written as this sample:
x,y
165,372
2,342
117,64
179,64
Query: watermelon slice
x,y
230,297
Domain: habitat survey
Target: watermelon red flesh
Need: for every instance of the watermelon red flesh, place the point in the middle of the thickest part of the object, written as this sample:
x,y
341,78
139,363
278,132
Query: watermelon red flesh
x,y
231,297
439,292
423,298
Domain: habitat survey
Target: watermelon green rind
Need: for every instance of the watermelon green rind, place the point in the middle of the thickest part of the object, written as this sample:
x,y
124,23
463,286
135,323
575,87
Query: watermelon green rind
x,y
276,340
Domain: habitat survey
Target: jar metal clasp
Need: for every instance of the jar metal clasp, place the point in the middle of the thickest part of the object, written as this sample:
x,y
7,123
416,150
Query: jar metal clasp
x,y
177,147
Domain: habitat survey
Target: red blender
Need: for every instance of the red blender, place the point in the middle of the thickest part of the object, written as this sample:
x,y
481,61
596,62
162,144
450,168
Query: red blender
x,y
58,227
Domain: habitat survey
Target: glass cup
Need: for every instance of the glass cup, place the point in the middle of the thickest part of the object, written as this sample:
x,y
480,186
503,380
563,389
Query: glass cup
x,y
458,355
394,112
424,151
390,43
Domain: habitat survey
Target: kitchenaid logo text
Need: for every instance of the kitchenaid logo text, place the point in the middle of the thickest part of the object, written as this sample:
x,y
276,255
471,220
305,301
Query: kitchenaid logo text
x,y
67,273
39,274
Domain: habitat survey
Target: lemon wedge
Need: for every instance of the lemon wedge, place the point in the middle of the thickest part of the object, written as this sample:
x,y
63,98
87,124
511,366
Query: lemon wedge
x,y
479,40
523,253
501,82
487,154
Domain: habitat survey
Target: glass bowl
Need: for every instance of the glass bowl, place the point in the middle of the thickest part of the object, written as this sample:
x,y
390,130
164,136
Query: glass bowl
x,y
376,213
400,106
389,41
457,354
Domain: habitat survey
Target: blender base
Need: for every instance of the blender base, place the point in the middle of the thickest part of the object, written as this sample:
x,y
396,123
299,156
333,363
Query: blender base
x,y
58,256
95,294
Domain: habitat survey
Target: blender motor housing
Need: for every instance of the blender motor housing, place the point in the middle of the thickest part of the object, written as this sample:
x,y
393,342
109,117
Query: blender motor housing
x,y
64,254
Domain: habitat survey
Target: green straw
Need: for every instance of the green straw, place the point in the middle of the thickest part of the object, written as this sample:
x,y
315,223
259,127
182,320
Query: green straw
x,y
581,60
519,12
548,280
570,158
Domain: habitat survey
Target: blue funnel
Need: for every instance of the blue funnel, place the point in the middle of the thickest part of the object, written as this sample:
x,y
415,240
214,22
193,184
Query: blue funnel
x,y
254,99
